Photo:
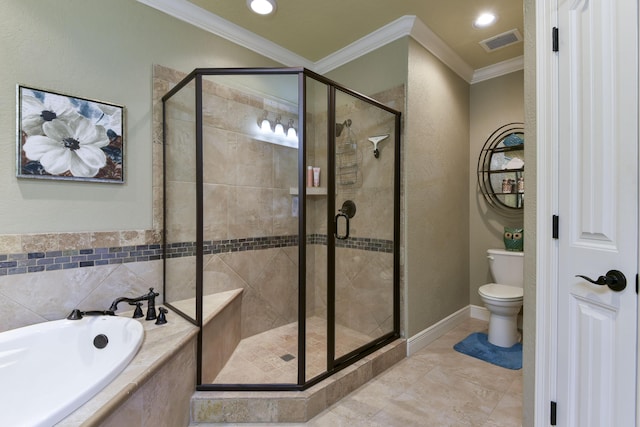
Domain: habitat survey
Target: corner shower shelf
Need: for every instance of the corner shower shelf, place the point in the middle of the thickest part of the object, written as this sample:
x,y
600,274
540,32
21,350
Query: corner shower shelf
x,y
311,191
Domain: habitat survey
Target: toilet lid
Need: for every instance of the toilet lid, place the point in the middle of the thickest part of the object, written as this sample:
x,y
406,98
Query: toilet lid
x,y
503,292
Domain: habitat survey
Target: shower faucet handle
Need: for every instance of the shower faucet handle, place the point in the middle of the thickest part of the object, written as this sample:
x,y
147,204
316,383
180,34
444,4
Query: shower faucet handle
x,y
348,208
347,211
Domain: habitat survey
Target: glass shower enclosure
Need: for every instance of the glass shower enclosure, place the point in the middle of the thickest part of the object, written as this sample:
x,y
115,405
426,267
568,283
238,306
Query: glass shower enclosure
x,y
282,221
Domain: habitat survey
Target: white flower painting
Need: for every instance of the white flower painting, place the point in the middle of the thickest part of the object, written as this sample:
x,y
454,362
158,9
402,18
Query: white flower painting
x,y
65,137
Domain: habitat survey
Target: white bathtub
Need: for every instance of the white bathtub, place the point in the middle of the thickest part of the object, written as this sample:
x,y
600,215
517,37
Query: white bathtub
x,y
49,369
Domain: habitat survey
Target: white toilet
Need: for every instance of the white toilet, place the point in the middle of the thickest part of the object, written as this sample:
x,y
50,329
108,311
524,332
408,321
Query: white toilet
x,y
503,299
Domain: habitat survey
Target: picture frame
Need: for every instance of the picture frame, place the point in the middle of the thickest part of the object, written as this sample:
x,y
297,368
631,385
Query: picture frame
x,y
69,138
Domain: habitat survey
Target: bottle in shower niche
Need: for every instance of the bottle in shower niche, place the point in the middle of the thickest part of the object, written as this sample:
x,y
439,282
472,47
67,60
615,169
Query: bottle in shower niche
x,y
309,176
316,177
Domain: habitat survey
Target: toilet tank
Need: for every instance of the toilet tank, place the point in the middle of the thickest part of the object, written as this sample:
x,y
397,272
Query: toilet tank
x,y
507,267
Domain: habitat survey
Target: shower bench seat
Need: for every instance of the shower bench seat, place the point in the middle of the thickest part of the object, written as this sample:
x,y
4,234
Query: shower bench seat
x,y
221,333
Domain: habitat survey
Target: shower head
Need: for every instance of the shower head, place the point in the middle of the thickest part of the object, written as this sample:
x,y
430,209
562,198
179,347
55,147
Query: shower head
x,y
340,126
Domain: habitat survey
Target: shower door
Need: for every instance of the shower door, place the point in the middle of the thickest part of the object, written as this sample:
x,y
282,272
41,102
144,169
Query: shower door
x,y
352,226
363,214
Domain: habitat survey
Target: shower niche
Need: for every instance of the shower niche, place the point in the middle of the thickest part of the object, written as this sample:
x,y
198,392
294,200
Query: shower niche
x,y
286,285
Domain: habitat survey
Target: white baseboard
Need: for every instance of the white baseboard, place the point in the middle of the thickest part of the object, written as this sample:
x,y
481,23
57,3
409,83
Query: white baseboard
x,y
433,332
480,313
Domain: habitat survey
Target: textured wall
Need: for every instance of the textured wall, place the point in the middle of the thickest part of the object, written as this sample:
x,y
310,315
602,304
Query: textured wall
x,y
494,103
436,185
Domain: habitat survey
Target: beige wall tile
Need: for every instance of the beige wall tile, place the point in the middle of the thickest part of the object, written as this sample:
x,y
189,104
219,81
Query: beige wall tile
x,y
251,212
105,239
219,151
10,243
40,242
180,278
70,241
218,347
216,211
53,295
181,212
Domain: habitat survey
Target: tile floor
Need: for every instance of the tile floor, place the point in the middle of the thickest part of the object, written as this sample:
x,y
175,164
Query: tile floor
x,y
259,359
436,386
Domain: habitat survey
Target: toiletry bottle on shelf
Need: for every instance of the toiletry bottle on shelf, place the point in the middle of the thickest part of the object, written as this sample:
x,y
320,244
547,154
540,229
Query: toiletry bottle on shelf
x,y
309,176
521,184
506,186
316,177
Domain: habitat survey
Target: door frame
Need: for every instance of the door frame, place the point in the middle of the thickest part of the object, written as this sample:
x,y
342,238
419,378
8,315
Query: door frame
x,y
546,249
545,261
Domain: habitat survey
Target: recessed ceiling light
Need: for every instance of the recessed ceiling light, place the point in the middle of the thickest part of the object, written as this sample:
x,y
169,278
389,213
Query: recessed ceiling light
x,y
484,20
262,7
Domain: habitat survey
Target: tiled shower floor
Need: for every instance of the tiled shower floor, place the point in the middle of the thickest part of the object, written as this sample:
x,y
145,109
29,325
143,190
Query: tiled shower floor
x,y
271,357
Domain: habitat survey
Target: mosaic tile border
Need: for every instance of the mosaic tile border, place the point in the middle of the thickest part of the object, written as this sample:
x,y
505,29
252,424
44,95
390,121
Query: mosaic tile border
x,y
184,249
363,243
35,262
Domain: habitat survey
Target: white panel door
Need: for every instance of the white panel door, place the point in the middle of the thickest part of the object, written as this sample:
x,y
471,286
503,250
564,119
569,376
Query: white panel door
x,y
598,211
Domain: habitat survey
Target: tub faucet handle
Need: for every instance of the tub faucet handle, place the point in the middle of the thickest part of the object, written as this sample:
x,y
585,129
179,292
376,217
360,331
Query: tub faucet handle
x,y
162,318
75,315
138,311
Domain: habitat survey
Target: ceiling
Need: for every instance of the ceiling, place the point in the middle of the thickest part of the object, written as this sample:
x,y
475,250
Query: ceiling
x,y
316,30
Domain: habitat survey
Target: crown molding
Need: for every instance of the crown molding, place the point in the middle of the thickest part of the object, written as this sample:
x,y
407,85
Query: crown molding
x,y
408,25
203,19
499,69
391,32
434,44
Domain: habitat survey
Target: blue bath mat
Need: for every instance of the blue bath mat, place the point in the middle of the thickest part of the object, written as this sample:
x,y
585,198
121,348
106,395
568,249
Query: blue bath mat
x,y
476,345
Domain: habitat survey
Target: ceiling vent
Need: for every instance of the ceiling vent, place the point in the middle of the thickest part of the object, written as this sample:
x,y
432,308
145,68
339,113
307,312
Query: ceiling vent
x,y
501,40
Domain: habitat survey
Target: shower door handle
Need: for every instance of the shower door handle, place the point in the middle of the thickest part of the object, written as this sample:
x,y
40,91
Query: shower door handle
x,y
347,211
346,218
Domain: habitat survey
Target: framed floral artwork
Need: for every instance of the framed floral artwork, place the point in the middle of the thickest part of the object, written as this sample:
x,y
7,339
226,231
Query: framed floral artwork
x,y
69,138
